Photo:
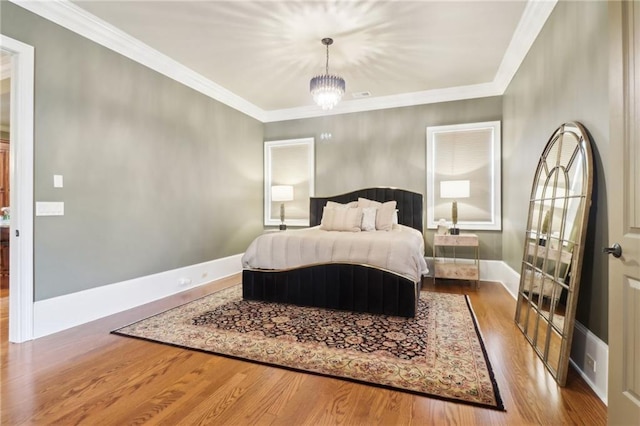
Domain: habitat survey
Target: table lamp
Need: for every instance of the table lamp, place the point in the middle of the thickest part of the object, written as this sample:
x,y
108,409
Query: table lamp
x,y
454,189
282,193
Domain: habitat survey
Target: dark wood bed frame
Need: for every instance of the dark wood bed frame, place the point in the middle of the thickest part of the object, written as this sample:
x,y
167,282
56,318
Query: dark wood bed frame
x,y
344,286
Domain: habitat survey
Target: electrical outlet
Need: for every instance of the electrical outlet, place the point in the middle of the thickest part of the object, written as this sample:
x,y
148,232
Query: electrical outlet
x,y
591,363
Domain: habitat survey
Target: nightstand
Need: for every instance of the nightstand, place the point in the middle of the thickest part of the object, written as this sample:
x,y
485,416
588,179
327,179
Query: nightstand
x,y
454,266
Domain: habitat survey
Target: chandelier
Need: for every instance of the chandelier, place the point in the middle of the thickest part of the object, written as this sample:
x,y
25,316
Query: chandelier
x,y
327,90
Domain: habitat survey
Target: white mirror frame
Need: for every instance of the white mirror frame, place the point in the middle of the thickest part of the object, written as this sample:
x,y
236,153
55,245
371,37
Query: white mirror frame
x,y
309,159
493,158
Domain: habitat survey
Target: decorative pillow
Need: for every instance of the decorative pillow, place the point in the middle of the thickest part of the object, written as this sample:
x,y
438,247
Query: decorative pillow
x,y
334,205
384,215
341,219
395,217
369,219
365,202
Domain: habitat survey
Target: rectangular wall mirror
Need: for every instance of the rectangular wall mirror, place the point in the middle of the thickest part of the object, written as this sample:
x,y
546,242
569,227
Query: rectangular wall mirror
x,y
463,165
289,167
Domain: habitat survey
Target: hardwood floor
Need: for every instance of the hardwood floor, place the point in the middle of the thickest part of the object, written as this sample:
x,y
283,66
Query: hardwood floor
x,y
87,376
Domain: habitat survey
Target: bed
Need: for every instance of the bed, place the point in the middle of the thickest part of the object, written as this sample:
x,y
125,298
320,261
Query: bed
x,y
353,284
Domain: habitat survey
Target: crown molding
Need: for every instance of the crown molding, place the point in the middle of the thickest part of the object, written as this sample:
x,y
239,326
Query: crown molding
x,y
76,19
533,18
385,102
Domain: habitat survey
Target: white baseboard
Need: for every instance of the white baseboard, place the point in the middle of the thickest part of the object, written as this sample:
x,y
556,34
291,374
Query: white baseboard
x,y
63,312
497,270
584,341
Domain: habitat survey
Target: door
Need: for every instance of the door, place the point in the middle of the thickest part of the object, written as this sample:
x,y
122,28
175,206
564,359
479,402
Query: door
x,y
623,192
21,182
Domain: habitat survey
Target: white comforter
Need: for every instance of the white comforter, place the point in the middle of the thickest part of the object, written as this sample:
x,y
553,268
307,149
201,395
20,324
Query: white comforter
x,y
400,250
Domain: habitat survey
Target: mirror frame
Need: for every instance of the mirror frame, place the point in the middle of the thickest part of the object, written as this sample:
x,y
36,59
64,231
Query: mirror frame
x,y
544,251
460,132
305,177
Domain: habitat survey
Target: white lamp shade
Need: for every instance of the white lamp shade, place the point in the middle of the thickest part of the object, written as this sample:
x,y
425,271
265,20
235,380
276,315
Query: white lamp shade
x,y
455,189
281,193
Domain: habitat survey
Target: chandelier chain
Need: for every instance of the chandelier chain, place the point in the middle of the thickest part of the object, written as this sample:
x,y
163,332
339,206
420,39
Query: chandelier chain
x,y
327,66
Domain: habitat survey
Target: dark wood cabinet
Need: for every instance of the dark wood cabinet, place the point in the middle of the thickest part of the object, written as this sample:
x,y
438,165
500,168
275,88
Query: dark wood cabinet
x,y
4,257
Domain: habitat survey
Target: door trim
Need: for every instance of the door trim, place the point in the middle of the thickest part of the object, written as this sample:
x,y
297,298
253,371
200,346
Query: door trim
x,y
21,294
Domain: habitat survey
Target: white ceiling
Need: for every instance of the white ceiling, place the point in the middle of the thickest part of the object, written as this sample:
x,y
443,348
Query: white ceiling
x,y
263,53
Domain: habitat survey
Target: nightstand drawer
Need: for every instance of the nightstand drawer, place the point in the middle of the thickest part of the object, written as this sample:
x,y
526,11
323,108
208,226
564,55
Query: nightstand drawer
x,y
456,271
470,240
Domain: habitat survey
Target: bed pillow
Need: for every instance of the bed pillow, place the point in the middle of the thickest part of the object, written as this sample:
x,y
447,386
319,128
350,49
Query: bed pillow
x,y
341,219
334,205
365,202
384,214
368,219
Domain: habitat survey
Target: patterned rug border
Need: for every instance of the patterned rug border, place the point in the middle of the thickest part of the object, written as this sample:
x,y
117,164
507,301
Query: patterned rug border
x,y
499,403
494,382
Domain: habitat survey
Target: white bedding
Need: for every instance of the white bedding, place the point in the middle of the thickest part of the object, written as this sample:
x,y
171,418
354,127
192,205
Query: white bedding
x,y
400,250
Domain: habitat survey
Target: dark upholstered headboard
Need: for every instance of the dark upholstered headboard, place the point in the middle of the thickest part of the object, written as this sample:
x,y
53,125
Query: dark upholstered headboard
x,y
409,204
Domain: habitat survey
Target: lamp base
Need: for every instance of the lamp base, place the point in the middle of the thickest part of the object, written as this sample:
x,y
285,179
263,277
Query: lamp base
x,y
454,231
283,227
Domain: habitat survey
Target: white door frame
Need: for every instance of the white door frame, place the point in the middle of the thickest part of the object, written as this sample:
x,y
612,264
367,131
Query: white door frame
x,y
21,183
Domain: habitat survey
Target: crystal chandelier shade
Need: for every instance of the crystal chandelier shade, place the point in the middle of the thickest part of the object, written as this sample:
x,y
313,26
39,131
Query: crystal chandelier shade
x,y
327,89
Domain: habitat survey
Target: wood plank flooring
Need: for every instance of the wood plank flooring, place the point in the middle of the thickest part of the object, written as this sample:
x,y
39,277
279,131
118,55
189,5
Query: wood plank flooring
x,y
87,376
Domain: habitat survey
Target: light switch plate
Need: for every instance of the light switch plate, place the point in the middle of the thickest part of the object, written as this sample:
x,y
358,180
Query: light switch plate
x,y
57,181
49,208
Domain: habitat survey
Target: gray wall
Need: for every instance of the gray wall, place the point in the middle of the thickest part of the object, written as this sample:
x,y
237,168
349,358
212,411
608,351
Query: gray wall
x,y
385,148
156,175
563,78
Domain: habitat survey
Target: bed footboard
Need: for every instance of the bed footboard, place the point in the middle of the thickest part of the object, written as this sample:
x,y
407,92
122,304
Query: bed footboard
x,y
346,287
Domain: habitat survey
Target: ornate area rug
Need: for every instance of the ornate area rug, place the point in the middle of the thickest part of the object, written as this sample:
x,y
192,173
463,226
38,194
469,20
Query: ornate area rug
x,y
439,354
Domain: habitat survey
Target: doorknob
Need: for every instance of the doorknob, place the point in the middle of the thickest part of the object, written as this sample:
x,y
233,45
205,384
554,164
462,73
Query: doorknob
x,y
615,250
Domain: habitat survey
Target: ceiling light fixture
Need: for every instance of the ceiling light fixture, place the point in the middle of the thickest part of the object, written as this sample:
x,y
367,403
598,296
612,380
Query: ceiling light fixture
x,y
327,90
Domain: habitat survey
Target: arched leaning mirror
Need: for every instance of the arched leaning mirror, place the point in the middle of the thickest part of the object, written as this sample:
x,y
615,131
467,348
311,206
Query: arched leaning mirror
x,y
554,246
